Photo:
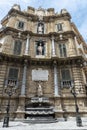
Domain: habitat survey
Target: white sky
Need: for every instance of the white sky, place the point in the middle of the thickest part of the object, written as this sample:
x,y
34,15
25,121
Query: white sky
x,y
77,9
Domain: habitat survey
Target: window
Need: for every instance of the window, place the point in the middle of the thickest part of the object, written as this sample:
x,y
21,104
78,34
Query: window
x,y
59,27
40,28
13,73
12,77
66,78
17,47
40,48
65,74
21,25
62,49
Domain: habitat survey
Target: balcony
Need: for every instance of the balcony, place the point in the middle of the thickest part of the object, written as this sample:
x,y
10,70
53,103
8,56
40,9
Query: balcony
x,y
11,83
66,83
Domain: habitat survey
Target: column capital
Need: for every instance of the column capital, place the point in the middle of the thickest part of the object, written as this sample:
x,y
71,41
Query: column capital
x,y
54,62
28,35
25,62
52,37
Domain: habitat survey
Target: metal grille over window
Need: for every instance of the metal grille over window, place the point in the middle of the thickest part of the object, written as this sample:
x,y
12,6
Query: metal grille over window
x,y
12,77
66,78
17,47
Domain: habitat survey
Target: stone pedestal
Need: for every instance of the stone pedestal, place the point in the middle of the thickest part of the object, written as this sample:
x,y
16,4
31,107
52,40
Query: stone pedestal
x,y
20,113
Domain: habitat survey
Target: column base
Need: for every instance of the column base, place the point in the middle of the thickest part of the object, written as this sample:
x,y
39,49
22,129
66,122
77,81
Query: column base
x,y
20,115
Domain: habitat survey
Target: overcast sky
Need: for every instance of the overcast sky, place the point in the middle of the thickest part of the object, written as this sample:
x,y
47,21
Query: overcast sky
x,y
77,9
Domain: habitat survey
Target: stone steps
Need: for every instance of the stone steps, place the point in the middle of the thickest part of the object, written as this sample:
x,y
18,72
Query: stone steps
x,y
40,120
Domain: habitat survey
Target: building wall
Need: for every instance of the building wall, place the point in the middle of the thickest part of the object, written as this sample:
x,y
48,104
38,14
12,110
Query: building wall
x,y
74,61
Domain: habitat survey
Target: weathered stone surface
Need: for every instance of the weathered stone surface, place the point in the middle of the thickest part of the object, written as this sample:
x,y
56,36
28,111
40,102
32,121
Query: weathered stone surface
x,y
40,75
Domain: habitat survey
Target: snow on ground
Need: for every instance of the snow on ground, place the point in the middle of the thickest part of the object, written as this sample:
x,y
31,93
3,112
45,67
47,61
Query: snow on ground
x,y
60,125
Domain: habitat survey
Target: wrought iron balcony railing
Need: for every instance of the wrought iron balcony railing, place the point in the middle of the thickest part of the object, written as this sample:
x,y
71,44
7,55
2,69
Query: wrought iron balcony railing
x,y
11,82
66,83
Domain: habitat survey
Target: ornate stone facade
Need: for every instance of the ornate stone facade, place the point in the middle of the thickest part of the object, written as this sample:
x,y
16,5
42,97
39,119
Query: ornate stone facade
x,y
41,47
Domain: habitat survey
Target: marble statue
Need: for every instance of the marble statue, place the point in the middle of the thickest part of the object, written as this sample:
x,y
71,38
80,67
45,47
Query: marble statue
x,y
40,28
40,49
40,93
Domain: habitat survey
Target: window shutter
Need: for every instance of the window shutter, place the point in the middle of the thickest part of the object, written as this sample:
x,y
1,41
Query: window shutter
x,y
60,48
13,73
64,50
17,47
59,27
65,74
21,24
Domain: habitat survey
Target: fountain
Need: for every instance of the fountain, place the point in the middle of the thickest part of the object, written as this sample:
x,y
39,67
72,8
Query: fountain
x,y
39,110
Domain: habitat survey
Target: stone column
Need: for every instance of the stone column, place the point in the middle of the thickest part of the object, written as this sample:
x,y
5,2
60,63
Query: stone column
x,y
53,46
56,92
24,79
27,45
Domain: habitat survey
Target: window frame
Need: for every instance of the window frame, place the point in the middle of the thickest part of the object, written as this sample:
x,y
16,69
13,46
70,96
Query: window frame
x,y
20,25
16,50
59,27
66,82
15,80
62,50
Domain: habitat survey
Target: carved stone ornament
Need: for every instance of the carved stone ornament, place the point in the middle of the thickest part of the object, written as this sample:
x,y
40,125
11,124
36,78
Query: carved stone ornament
x,y
40,17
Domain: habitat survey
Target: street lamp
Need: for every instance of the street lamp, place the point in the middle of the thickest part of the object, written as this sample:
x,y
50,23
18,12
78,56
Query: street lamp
x,y
78,118
10,90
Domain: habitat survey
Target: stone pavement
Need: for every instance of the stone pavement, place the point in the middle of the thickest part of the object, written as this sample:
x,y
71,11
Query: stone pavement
x,y
70,124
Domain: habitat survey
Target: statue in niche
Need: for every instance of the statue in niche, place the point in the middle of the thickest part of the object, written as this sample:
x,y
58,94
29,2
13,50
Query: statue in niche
x,y
39,93
40,28
40,49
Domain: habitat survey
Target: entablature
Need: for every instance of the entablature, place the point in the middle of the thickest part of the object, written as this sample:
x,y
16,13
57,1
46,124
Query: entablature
x,y
78,60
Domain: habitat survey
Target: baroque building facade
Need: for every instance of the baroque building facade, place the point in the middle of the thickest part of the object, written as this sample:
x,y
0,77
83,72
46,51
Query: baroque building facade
x,y
42,56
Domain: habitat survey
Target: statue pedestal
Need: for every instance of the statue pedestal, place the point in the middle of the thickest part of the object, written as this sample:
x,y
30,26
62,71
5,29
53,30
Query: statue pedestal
x,y
20,113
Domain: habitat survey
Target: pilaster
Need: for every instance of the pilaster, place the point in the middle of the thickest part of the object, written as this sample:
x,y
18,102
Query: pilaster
x,y
53,47
27,45
56,91
23,87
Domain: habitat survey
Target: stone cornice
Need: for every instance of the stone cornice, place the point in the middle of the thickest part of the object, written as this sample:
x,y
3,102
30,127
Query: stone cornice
x,y
15,32
78,35
49,18
75,60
